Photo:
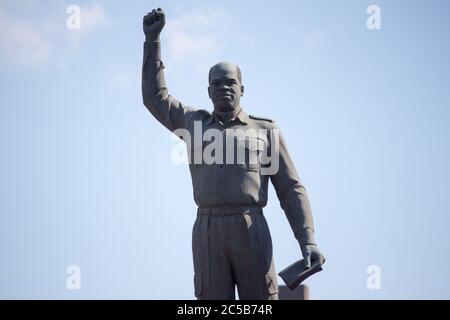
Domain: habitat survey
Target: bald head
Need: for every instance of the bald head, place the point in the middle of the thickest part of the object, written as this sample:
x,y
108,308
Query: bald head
x,y
225,69
225,86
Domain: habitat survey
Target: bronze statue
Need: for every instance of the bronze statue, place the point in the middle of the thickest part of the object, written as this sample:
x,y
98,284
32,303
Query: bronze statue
x,y
231,241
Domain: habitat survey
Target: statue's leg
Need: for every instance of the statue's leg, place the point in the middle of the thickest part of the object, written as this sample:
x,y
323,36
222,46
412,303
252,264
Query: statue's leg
x,y
213,279
252,260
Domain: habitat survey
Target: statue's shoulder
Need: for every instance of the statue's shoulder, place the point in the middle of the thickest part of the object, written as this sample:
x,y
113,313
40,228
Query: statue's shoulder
x,y
193,114
204,112
200,114
260,118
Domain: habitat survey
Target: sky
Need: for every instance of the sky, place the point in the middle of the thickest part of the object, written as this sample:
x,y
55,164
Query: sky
x,y
86,177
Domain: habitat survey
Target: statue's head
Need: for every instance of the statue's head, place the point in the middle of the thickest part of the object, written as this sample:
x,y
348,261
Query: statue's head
x,y
225,86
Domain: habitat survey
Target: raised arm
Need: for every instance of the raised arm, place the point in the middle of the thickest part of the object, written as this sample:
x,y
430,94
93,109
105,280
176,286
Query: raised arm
x,y
166,109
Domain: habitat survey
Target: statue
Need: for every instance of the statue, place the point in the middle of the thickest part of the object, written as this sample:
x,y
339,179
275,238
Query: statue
x,y
231,242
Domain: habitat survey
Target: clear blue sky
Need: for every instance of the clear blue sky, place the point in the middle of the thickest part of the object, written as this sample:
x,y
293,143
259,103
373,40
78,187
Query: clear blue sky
x,y
85,172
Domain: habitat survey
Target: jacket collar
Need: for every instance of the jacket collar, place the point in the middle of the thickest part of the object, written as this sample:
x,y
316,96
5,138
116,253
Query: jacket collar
x,y
242,117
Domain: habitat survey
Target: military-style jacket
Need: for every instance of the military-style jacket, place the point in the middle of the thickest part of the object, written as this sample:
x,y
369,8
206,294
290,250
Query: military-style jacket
x,y
229,182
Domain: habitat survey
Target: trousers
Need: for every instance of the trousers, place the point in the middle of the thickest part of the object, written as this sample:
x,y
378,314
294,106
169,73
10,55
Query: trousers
x,y
233,250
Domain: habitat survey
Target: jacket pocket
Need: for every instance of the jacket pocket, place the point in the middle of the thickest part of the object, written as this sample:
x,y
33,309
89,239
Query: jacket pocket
x,y
249,154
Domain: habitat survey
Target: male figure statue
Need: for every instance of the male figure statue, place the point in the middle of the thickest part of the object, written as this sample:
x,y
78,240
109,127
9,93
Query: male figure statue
x,y
231,242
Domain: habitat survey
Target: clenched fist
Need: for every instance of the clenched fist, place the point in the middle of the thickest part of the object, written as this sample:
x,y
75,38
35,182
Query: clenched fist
x,y
153,24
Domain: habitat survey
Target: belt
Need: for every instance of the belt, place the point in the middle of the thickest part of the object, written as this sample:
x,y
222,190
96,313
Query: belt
x,y
229,211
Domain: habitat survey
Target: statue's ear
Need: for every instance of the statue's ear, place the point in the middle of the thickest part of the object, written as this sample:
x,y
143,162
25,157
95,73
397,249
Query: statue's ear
x,y
242,91
209,92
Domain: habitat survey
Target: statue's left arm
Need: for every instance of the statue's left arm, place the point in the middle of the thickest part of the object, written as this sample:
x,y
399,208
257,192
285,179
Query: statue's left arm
x,y
295,203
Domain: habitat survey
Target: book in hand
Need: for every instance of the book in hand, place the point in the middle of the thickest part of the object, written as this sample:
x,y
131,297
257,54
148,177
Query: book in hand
x,y
296,273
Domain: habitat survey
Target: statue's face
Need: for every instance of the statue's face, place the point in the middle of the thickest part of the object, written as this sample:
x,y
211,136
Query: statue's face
x,y
225,88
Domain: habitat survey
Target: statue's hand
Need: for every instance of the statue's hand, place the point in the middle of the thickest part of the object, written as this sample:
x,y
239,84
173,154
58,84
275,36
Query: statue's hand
x,y
153,24
311,253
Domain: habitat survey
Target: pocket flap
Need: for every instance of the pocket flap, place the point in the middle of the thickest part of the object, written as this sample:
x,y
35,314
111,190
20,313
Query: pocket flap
x,y
252,144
